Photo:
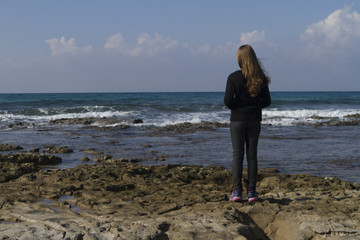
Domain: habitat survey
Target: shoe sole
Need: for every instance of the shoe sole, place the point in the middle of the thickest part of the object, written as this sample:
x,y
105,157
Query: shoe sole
x,y
253,199
235,199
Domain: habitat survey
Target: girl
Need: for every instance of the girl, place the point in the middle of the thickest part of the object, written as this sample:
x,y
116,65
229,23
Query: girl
x,y
246,94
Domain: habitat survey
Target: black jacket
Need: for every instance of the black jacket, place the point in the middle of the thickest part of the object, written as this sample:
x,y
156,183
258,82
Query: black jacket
x,y
243,106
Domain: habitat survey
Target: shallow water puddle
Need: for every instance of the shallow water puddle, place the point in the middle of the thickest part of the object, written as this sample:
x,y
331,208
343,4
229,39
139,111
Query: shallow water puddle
x,y
62,199
48,203
72,207
4,222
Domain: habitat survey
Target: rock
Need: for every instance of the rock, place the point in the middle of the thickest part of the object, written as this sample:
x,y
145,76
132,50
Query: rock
x,y
10,171
16,125
102,158
37,159
338,123
136,160
93,151
133,201
13,166
158,157
82,121
108,128
270,170
61,150
79,236
6,147
85,159
137,121
98,123
35,150
191,127
356,115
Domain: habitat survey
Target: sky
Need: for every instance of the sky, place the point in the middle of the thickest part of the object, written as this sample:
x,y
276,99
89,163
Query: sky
x,y
49,46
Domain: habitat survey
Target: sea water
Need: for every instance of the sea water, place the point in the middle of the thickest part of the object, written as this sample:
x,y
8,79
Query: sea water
x,y
302,132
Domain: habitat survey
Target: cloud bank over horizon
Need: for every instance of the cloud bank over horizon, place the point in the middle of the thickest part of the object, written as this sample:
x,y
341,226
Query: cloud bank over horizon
x,y
318,57
341,29
61,46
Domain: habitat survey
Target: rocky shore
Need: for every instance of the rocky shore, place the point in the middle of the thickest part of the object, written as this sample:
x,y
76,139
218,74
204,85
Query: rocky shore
x,y
118,199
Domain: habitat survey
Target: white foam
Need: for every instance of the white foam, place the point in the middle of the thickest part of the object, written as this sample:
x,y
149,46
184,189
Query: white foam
x,y
196,117
44,111
304,116
21,117
271,116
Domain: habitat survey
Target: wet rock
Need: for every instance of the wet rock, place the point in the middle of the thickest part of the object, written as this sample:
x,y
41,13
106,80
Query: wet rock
x,y
37,159
7,147
338,123
85,159
10,171
35,150
356,115
107,159
99,122
93,151
102,158
320,118
17,125
191,127
82,121
270,170
137,160
13,166
61,150
161,157
158,157
108,128
137,121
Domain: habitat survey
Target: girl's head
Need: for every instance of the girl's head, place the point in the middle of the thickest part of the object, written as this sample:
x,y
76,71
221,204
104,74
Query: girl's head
x,y
246,57
252,70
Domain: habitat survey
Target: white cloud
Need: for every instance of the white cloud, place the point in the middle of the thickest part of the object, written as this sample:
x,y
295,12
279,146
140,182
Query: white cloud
x,y
145,45
252,37
341,29
60,46
219,50
8,63
205,48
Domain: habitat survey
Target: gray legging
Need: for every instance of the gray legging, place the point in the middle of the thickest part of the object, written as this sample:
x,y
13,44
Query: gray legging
x,y
244,133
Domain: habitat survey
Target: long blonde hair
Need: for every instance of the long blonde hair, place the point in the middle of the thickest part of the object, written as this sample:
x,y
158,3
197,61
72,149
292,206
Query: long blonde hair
x,y
252,70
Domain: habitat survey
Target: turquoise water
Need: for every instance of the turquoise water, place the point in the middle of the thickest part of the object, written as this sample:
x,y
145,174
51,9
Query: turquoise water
x,y
302,132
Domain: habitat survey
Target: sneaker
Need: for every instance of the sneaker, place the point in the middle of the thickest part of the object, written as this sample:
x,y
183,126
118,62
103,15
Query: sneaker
x,y
236,196
252,196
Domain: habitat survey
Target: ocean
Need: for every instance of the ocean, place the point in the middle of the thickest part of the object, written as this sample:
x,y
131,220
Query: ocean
x,y
316,133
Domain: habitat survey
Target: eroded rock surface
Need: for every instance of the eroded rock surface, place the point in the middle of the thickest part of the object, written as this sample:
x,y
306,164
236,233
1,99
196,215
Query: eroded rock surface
x,y
7,147
15,165
61,150
37,159
131,201
191,127
98,121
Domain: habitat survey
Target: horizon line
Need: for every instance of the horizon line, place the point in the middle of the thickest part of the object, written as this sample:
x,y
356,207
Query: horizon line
x,y
106,92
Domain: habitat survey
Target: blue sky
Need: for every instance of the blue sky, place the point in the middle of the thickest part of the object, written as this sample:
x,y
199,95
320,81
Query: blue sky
x,y
130,45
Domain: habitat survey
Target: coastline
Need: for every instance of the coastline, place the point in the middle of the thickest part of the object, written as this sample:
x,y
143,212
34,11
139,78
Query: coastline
x,y
303,132
122,199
